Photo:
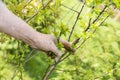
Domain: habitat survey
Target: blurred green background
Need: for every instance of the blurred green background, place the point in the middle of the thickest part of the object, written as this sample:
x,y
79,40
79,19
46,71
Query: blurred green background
x,y
98,59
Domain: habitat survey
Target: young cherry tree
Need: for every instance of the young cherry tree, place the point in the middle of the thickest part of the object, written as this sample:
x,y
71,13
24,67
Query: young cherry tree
x,y
49,17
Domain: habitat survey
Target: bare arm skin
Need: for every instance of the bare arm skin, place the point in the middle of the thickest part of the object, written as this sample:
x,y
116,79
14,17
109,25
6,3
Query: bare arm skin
x,y
17,28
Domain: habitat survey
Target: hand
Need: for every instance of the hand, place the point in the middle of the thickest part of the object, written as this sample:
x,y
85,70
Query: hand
x,y
46,43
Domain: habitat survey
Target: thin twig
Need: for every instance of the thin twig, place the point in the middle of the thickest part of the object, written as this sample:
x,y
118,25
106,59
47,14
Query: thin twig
x,y
51,69
103,10
65,57
102,22
68,11
76,49
38,11
89,24
68,20
29,56
26,4
72,15
58,39
47,4
93,32
78,39
32,17
82,43
46,71
76,21
69,8
49,72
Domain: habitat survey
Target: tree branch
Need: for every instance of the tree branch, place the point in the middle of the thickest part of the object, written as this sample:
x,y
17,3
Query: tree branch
x,y
76,21
51,68
96,19
46,76
78,39
68,19
93,32
64,56
89,24
46,73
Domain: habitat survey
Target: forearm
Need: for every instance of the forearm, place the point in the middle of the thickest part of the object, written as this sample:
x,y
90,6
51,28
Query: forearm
x,y
14,26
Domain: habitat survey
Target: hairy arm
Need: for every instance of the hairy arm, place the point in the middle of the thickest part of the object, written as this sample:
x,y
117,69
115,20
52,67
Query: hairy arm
x,y
14,26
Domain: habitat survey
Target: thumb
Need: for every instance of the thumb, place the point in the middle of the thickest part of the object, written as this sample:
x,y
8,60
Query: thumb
x,y
67,45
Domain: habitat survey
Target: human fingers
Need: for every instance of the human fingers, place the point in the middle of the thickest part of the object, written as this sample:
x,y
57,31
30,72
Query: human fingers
x,y
66,44
56,51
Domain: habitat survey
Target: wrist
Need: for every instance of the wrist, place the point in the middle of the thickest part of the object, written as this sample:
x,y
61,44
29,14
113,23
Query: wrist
x,y
30,38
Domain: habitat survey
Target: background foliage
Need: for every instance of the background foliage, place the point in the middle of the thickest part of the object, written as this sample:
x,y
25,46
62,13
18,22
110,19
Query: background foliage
x,y
97,59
